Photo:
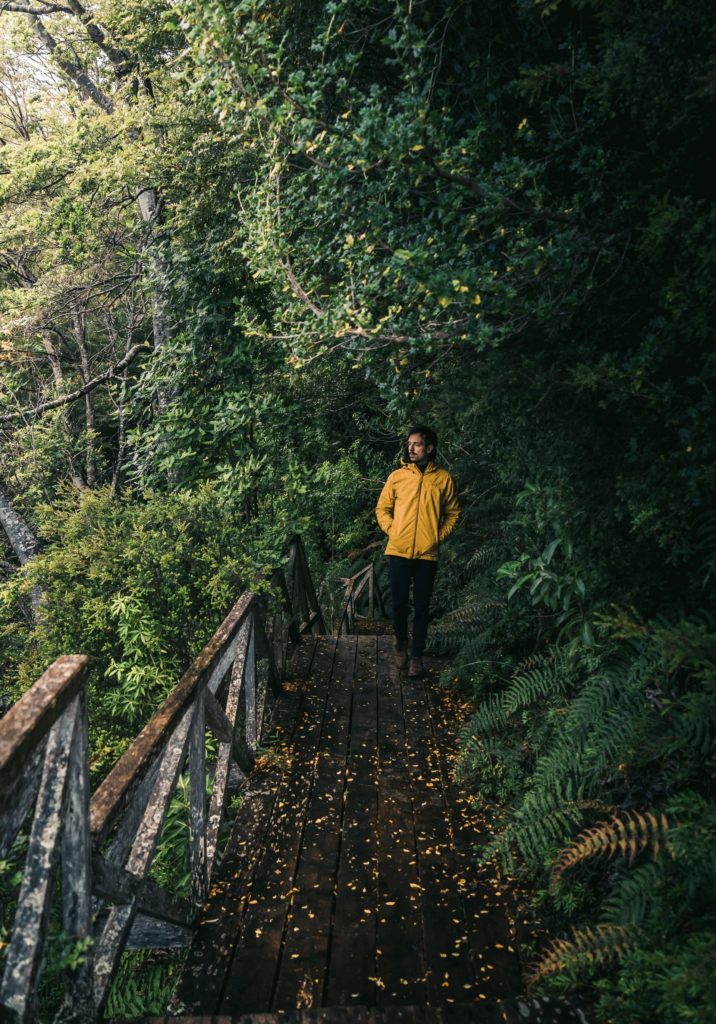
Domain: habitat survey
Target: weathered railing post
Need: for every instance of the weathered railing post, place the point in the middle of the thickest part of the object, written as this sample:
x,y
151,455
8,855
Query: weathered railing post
x,y
354,587
53,708
250,694
108,843
197,803
77,875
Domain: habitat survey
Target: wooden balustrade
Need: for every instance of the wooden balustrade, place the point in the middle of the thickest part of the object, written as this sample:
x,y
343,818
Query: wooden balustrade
x,y
106,844
363,584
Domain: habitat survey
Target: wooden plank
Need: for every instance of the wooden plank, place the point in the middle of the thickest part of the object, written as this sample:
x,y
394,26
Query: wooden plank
x,y
352,963
112,794
251,712
301,600
217,719
305,949
227,750
343,619
32,717
290,567
221,921
149,933
17,992
401,966
265,649
450,973
492,947
108,949
289,626
449,967
263,689
118,849
304,956
239,684
252,977
336,723
76,871
300,667
197,803
119,921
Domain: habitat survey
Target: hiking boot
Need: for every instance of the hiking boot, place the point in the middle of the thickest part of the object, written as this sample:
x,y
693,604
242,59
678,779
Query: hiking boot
x,y
416,669
400,657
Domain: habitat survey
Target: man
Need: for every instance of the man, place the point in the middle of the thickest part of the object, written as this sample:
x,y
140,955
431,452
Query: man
x,y
418,509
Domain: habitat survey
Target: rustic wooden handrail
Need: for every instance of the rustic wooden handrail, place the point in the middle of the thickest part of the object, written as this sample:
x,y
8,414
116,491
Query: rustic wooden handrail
x,y
355,586
107,844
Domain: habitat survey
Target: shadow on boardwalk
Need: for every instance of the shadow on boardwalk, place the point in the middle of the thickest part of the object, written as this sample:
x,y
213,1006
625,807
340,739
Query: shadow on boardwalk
x,y
349,879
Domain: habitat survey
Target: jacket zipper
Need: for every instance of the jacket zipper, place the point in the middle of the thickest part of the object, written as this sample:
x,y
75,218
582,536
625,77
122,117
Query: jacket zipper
x,y
417,513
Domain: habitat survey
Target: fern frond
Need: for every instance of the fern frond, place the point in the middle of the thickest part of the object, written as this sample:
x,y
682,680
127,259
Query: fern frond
x,y
588,947
634,896
457,624
536,833
598,730
526,690
466,614
536,828
485,555
693,729
629,834
489,717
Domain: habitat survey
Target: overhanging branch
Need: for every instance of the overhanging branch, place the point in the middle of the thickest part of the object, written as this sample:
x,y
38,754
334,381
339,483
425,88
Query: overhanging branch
x,y
38,9
55,403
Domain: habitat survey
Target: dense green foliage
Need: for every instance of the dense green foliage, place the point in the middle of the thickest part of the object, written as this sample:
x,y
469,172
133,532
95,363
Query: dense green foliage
x,y
497,218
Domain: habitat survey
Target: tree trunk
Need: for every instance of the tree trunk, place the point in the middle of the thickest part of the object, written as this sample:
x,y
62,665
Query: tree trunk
x,y
150,208
147,200
80,333
22,540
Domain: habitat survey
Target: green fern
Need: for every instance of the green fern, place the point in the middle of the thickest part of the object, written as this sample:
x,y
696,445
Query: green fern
x,y
455,629
538,678
634,897
489,717
486,556
536,829
143,985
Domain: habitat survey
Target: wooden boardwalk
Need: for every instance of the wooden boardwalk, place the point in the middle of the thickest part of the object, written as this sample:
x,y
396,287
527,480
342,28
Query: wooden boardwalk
x,y
349,877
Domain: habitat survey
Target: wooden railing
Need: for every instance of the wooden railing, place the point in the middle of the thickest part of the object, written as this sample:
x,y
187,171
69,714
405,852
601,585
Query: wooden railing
x,y
106,843
363,585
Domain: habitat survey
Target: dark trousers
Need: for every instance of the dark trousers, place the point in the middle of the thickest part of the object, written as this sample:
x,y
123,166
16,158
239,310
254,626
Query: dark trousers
x,y
422,573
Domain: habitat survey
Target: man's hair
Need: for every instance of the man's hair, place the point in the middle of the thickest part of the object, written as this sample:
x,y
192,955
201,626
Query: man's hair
x,y
428,435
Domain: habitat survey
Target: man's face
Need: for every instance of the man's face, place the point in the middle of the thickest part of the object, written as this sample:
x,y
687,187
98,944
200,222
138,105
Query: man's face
x,y
418,450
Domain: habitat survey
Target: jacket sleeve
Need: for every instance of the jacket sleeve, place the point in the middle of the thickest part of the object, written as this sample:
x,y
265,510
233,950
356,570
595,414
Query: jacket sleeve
x,y
450,511
384,508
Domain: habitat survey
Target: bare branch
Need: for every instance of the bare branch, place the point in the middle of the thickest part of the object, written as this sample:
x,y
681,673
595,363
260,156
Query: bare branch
x,y
39,9
298,290
55,403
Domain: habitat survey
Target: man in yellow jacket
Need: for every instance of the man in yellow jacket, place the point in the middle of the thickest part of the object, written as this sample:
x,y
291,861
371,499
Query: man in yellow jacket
x,y
418,509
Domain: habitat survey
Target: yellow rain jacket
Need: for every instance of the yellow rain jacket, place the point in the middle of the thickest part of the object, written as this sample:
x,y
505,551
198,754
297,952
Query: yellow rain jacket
x,y
417,510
